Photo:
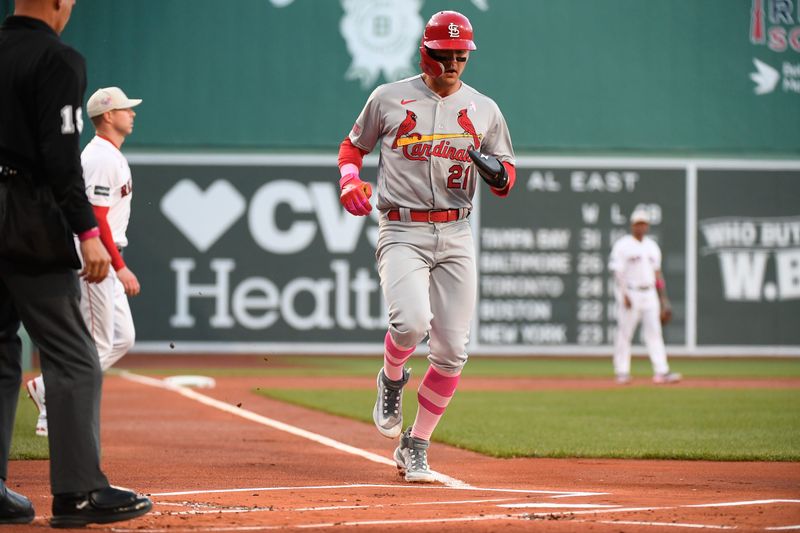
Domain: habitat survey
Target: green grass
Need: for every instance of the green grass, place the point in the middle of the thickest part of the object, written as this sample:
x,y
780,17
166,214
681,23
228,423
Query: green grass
x,y
631,422
24,442
500,367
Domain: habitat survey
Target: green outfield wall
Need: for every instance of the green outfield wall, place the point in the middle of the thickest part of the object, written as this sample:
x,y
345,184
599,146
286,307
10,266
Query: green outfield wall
x,y
688,108
663,76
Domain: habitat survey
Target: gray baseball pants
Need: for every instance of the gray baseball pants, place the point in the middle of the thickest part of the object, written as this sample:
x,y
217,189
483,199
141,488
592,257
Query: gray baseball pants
x,y
429,281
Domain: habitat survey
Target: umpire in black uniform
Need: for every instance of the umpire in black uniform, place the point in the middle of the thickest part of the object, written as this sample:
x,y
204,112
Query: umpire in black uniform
x,y
42,204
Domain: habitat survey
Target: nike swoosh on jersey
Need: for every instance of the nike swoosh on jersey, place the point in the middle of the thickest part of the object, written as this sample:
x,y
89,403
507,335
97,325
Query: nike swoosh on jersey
x,y
404,102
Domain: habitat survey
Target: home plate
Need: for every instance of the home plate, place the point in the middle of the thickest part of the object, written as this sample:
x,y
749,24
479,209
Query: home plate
x,y
200,382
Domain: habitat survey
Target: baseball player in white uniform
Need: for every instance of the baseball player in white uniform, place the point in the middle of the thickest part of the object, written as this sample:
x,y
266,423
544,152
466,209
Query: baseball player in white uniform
x,y
641,296
435,133
107,178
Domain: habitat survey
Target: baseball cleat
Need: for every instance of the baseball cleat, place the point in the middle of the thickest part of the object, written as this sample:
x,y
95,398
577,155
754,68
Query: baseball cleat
x,y
622,379
41,424
388,411
412,459
665,379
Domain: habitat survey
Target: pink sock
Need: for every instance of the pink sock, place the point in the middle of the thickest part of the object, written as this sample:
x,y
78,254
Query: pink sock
x,y
394,358
434,394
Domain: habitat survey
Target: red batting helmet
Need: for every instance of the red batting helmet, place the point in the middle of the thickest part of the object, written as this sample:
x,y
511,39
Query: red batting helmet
x,y
446,30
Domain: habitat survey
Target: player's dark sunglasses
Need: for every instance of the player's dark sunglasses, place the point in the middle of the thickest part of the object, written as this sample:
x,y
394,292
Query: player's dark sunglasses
x,y
444,58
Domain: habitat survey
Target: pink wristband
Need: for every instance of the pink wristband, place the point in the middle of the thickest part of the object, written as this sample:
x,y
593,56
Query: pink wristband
x,y
660,283
89,233
347,178
348,168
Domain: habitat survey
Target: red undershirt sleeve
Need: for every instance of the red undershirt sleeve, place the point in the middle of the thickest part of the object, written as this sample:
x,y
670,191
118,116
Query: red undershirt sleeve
x,y
512,177
350,153
101,213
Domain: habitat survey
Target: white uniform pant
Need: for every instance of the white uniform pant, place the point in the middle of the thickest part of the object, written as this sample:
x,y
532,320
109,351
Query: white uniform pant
x,y
108,317
646,308
429,283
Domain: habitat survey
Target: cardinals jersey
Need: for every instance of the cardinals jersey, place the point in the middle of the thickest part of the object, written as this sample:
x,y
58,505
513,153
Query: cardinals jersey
x,y
107,177
636,261
424,140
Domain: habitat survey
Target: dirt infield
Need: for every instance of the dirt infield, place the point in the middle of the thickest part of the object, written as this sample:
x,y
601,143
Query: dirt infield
x,y
212,466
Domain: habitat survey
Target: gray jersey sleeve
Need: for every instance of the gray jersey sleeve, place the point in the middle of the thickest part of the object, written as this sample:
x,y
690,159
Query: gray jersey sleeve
x,y
498,139
369,125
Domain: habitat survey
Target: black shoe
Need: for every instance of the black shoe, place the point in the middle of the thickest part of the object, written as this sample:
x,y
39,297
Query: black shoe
x,y
101,506
14,508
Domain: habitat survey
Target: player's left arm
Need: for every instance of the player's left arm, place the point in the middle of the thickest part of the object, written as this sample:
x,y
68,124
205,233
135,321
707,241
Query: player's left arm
x,y
666,306
129,281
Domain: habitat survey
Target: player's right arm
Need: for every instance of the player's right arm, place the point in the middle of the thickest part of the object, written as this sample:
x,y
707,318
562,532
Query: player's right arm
x,y
363,136
354,195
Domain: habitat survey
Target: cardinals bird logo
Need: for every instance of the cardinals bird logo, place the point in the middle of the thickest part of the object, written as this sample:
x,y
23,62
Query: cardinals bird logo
x,y
466,123
406,127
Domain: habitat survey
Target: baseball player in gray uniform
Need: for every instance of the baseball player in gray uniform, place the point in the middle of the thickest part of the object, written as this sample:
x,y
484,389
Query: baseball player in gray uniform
x,y
435,134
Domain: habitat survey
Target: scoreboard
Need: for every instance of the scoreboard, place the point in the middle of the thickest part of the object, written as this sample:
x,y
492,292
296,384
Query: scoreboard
x,y
544,250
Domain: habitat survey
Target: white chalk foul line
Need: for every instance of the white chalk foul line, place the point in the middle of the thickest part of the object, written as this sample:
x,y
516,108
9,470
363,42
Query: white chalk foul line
x,y
275,424
676,524
448,481
657,524
198,509
254,417
553,493
598,511
195,509
686,506
381,506
194,512
545,505
737,504
480,518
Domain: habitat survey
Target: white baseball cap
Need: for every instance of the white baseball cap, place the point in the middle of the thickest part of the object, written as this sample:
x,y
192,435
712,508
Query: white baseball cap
x,y
107,99
640,215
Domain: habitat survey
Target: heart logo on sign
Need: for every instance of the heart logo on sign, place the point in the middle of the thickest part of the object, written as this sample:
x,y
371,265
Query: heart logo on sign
x,y
203,216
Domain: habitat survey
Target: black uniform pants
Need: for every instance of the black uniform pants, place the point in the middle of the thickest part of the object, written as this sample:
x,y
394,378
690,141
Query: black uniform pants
x,y
48,306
